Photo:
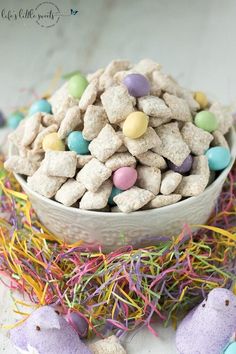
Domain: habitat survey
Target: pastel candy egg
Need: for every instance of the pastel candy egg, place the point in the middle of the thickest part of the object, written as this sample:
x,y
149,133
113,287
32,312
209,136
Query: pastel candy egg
x,y
14,119
77,143
40,106
115,191
206,121
184,168
135,125
201,99
137,85
77,84
53,142
218,158
78,323
231,349
124,178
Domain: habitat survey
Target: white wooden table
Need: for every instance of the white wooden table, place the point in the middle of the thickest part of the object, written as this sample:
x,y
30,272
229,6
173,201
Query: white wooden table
x,y
194,40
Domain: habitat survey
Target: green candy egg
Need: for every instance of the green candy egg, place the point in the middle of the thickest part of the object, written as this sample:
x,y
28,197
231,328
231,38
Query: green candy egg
x,y
76,85
206,121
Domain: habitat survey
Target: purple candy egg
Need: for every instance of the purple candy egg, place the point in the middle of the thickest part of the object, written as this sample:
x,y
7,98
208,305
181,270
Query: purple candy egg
x,y
185,167
79,324
137,85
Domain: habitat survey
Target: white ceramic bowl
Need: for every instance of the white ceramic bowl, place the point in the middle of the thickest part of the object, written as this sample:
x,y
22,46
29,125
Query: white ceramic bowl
x,y
141,228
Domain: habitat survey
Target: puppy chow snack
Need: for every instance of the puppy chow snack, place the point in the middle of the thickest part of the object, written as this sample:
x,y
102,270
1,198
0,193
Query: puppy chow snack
x,y
82,160
60,163
43,184
120,159
163,200
149,178
196,138
124,138
150,158
170,181
146,142
21,165
117,103
97,200
31,129
133,199
179,108
95,119
70,192
89,96
70,122
93,174
105,144
61,101
172,146
154,107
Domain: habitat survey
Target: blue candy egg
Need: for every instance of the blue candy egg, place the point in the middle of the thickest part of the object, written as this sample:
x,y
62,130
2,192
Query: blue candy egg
x,y
115,191
218,158
40,106
14,119
231,349
77,143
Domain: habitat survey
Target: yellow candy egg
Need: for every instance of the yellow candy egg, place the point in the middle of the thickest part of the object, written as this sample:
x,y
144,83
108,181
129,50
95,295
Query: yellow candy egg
x,y
201,98
135,125
52,142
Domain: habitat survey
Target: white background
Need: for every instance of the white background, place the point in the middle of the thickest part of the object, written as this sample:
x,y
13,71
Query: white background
x,y
194,40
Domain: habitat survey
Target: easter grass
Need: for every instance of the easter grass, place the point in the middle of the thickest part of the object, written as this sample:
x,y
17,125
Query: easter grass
x,y
125,289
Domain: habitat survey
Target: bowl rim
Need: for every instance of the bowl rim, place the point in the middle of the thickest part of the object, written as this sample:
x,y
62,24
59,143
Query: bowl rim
x,y
181,203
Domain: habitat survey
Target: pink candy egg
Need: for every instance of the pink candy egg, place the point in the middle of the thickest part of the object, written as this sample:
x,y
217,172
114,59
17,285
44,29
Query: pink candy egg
x,y
124,178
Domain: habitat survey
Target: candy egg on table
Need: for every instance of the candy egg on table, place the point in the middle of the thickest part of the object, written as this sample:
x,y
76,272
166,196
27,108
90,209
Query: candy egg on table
x,y
14,119
77,143
201,99
135,125
40,106
124,178
77,84
206,120
78,323
184,167
53,142
115,191
231,349
137,85
218,158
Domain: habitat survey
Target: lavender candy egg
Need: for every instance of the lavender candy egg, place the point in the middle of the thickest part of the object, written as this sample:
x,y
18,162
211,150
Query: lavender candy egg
x,y
184,168
78,323
137,85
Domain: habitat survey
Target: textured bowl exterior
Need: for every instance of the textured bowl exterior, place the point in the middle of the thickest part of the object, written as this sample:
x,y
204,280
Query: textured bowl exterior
x,y
141,228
